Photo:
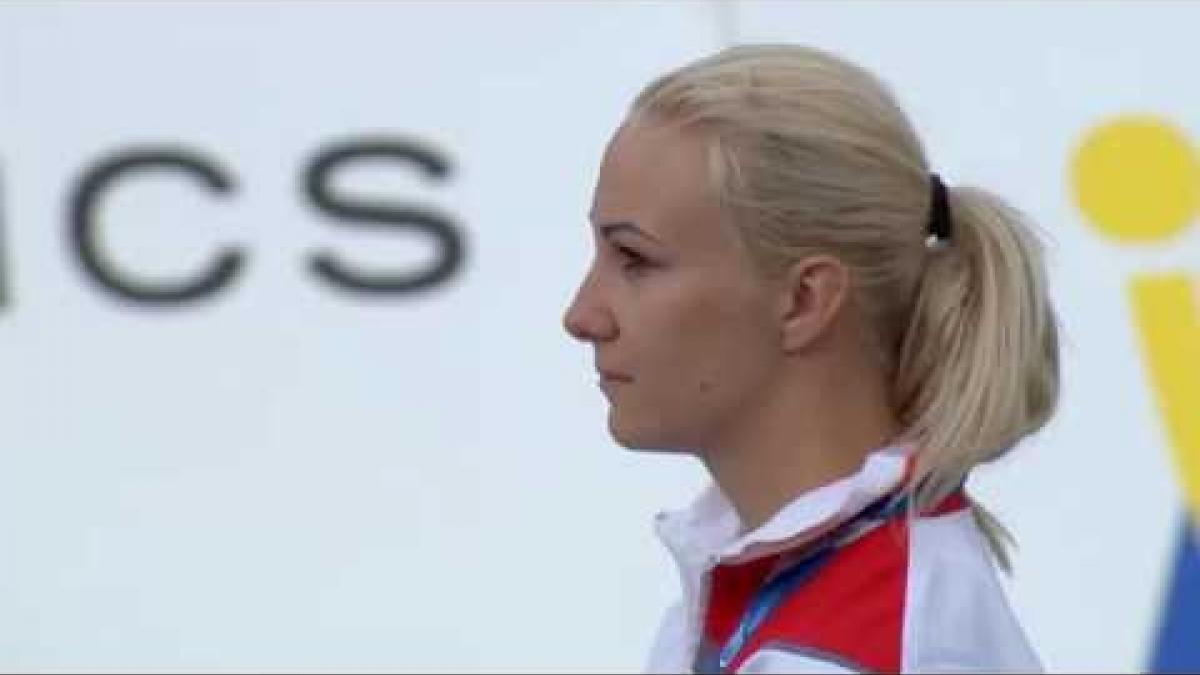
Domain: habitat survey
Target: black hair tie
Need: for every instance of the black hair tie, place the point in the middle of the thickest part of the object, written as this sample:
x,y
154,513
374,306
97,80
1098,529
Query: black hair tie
x,y
940,224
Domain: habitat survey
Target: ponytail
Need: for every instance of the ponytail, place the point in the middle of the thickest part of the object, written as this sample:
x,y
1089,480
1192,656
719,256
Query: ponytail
x,y
978,367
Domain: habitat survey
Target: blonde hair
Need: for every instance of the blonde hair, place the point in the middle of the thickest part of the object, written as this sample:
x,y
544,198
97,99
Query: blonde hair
x,y
812,153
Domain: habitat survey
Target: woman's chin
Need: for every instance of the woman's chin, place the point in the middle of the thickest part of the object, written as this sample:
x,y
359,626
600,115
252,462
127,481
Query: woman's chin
x,y
640,439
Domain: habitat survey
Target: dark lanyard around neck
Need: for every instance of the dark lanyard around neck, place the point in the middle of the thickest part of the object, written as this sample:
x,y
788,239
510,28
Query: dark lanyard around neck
x,y
779,586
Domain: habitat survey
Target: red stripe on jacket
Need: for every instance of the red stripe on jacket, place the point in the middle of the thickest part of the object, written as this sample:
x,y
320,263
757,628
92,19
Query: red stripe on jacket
x,y
852,610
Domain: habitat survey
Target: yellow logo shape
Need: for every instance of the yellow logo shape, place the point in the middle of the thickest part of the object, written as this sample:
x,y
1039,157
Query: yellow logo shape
x,y
1137,179
1165,307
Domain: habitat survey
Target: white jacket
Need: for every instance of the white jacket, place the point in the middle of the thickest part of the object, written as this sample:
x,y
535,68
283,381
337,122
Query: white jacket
x,y
918,595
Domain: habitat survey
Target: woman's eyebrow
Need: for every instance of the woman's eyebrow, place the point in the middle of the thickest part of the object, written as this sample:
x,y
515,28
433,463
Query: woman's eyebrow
x,y
608,229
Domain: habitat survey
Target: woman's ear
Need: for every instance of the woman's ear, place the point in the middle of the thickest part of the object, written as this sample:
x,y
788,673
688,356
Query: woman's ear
x,y
815,291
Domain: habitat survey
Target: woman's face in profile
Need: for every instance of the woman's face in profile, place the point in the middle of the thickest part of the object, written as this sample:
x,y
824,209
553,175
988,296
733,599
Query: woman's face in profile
x,y
682,324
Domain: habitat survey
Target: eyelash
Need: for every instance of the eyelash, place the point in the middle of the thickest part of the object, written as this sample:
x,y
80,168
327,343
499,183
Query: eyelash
x,y
633,259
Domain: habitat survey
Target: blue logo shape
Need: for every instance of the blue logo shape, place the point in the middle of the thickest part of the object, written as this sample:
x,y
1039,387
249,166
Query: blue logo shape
x,y
1178,648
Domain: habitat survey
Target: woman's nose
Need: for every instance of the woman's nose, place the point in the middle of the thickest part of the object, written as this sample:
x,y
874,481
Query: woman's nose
x,y
587,319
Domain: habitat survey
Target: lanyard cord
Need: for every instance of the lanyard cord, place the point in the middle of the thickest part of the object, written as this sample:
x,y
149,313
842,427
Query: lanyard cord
x,y
778,587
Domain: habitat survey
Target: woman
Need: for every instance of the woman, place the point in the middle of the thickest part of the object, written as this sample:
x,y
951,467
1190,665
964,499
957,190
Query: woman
x,y
783,289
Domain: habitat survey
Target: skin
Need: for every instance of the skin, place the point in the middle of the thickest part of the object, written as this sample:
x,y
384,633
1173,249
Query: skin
x,y
766,379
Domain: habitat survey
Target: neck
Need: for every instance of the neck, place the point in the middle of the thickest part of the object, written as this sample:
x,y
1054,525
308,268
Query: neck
x,y
800,438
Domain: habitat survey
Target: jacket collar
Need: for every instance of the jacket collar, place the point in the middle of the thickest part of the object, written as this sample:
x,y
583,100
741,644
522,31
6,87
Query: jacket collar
x,y
706,532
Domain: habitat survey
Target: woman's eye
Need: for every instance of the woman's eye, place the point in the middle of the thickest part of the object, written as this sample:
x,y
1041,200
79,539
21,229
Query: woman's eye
x,y
631,259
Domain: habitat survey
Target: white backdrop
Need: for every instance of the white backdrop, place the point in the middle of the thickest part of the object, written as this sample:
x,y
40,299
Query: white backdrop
x,y
287,476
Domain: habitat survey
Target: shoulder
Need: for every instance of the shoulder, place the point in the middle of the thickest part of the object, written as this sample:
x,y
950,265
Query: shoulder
x,y
957,616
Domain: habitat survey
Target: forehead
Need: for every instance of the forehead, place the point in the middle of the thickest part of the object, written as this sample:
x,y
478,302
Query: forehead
x,y
657,176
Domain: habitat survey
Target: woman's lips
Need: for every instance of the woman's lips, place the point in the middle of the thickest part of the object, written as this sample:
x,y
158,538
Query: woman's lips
x,y
612,376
